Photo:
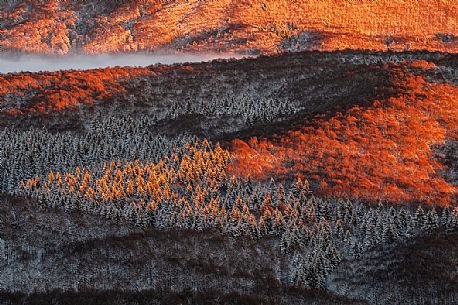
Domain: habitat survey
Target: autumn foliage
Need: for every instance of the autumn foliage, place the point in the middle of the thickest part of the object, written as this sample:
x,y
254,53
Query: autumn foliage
x,y
64,90
385,151
191,183
228,25
145,184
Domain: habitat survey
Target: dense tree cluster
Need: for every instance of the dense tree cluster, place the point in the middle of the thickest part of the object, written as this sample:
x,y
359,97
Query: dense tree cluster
x,y
247,108
27,153
263,25
47,92
184,183
122,168
44,93
191,190
384,151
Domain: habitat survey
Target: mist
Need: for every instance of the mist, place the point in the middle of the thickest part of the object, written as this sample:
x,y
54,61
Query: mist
x,y
37,63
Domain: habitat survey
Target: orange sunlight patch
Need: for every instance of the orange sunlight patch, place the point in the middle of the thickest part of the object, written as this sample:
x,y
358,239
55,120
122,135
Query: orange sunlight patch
x,y
233,25
381,152
64,90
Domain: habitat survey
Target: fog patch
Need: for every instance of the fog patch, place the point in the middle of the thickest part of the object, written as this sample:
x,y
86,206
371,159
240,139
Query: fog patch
x,y
36,63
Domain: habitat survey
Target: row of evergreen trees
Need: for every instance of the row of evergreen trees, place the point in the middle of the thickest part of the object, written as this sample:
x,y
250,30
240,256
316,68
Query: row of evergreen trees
x,y
121,170
248,109
27,153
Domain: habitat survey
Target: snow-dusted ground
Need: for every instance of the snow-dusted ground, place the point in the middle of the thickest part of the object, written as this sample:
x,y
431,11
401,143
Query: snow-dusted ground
x,y
36,63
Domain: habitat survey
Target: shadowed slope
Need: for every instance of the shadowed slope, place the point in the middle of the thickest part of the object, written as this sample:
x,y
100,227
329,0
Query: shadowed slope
x,y
351,122
380,152
75,258
405,273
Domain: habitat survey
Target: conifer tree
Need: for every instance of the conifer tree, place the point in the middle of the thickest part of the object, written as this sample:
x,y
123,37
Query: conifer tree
x,y
432,221
420,219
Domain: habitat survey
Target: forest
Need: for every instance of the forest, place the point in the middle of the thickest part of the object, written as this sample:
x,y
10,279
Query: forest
x,y
389,135
184,183
383,152
315,161
317,181
249,26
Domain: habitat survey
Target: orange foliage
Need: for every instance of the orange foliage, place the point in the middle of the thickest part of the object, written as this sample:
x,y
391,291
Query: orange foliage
x,y
53,91
382,152
235,25
134,182
422,64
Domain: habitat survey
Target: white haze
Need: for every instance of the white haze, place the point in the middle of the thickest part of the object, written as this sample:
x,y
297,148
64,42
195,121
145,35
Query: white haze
x,y
36,63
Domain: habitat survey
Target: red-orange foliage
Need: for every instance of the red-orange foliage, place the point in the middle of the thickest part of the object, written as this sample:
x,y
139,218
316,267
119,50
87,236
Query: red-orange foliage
x,y
381,152
422,64
47,26
147,184
53,91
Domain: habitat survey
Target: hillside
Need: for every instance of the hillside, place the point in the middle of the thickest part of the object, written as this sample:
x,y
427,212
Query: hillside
x,y
229,152
74,257
408,271
299,178
384,151
49,255
336,119
248,26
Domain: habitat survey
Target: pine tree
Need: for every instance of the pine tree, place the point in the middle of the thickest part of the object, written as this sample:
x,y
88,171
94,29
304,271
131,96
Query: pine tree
x,y
420,219
370,238
390,232
445,217
432,221
285,240
339,230
309,211
280,196
402,221
319,273
298,271
379,226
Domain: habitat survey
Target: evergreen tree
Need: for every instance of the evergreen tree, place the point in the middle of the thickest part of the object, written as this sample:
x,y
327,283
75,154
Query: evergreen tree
x,y
370,238
420,219
432,222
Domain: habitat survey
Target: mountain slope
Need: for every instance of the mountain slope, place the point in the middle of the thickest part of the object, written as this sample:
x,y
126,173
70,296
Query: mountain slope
x,y
382,152
338,119
52,26
48,255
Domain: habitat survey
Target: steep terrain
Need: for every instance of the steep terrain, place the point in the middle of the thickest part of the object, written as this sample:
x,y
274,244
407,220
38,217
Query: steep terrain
x,y
322,171
393,275
266,26
384,151
51,255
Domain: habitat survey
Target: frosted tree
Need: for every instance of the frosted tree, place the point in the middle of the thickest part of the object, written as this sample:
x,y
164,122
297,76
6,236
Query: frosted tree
x,y
432,221
420,219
